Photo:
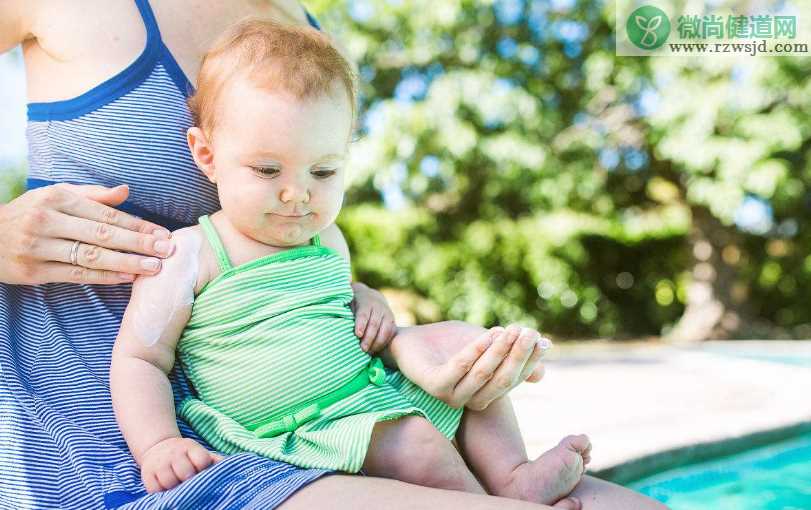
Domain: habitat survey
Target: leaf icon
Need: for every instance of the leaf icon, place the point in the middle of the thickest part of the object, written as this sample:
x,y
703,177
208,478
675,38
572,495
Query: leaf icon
x,y
640,22
652,24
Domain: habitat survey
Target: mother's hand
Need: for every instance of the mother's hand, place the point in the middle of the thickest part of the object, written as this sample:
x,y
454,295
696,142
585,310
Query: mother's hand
x,y
41,228
465,365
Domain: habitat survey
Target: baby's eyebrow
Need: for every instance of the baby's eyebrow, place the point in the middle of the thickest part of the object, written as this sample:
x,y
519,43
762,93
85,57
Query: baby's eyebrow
x,y
330,157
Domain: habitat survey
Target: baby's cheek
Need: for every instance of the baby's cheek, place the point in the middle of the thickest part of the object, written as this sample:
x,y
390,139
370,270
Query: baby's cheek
x,y
330,213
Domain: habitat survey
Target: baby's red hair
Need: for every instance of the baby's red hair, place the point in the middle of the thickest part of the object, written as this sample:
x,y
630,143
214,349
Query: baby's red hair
x,y
299,60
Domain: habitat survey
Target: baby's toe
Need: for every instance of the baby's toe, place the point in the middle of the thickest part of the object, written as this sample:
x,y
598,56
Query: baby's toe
x,y
579,443
570,503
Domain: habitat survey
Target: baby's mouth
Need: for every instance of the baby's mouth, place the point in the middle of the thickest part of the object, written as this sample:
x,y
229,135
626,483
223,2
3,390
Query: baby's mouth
x,y
292,215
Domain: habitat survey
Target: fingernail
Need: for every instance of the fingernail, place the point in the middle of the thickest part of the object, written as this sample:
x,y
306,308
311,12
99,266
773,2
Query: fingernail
x,y
162,233
150,264
164,247
127,277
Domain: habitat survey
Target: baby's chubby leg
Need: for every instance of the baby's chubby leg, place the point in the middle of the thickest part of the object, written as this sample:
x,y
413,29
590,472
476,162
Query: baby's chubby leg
x,y
412,450
493,447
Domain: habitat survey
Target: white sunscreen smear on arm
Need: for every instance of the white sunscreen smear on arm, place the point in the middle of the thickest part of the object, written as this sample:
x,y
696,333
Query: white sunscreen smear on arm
x,y
160,298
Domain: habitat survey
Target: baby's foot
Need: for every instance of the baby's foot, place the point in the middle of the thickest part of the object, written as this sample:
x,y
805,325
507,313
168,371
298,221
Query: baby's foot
x,y
553,475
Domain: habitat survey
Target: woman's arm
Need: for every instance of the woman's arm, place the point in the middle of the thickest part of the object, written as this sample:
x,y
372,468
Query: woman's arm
x,y
16,21
466,365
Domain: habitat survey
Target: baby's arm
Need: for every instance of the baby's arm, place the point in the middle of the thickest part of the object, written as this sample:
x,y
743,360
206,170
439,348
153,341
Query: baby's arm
x,y
143,356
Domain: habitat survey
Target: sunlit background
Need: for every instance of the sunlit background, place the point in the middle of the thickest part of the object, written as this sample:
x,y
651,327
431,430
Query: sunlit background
x,y
509,167
12,124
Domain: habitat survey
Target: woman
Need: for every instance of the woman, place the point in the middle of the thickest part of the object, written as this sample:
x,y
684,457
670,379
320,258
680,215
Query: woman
x,y
107,105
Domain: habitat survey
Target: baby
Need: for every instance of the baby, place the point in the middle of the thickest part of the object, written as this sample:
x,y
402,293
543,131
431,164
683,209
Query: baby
x,y
256,304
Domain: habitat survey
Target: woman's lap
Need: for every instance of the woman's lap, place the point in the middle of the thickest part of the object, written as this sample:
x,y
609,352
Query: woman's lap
x,y
351,492
597,494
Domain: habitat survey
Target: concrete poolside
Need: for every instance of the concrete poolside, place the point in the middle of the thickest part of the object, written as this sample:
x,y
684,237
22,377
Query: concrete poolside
x,y
636,399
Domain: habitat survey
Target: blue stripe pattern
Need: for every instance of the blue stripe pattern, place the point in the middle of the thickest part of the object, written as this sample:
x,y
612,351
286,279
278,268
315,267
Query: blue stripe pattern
x,y
60,446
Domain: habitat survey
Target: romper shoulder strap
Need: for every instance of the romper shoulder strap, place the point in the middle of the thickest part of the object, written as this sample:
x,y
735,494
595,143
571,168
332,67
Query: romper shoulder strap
x,y
316,240
216,244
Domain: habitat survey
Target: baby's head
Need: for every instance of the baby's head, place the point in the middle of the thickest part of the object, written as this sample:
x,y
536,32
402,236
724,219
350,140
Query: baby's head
x,y
273,114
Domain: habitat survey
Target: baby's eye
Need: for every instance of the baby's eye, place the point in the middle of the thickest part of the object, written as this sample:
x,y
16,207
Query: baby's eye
x,y
265,171
323,173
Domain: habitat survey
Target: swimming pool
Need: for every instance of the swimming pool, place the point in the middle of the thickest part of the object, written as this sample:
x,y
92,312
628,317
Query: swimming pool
x,y
773,477
796,353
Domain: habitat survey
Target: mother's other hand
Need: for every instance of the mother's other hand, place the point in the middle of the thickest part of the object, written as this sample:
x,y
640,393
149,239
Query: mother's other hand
x,y
40,229
513,356
465,365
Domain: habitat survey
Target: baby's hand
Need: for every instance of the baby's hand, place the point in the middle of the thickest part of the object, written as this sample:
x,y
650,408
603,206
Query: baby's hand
x,y
172,461
374,320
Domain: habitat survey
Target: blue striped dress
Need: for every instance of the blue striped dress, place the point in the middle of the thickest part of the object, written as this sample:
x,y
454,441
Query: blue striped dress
x,y
60,446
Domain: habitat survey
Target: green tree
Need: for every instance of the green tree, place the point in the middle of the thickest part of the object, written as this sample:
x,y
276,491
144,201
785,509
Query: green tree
x,y
530,174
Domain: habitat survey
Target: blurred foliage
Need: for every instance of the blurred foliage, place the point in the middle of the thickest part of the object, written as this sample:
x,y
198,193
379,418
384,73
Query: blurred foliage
x,y
12,182
510,167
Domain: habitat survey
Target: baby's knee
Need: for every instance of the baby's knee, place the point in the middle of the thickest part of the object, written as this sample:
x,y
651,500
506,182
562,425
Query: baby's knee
x,y
421,433
431,459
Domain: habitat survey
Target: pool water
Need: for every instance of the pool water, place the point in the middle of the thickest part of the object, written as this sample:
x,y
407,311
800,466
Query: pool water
x,y
773,477
785,353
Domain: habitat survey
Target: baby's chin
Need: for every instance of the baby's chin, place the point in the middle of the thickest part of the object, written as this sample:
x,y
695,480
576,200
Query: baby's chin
x,y
287,235
292,236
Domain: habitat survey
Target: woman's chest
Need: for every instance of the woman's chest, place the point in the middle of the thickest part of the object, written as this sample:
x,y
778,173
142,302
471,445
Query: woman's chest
x,y
89,41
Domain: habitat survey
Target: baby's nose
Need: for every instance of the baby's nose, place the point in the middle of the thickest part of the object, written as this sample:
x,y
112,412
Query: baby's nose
x,y
295,194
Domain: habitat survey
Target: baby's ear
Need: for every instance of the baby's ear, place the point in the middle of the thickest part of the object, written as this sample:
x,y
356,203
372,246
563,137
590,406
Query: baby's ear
x,y
201,151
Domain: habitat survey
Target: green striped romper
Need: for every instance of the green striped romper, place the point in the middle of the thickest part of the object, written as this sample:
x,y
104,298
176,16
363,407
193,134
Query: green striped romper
x,y
271,351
